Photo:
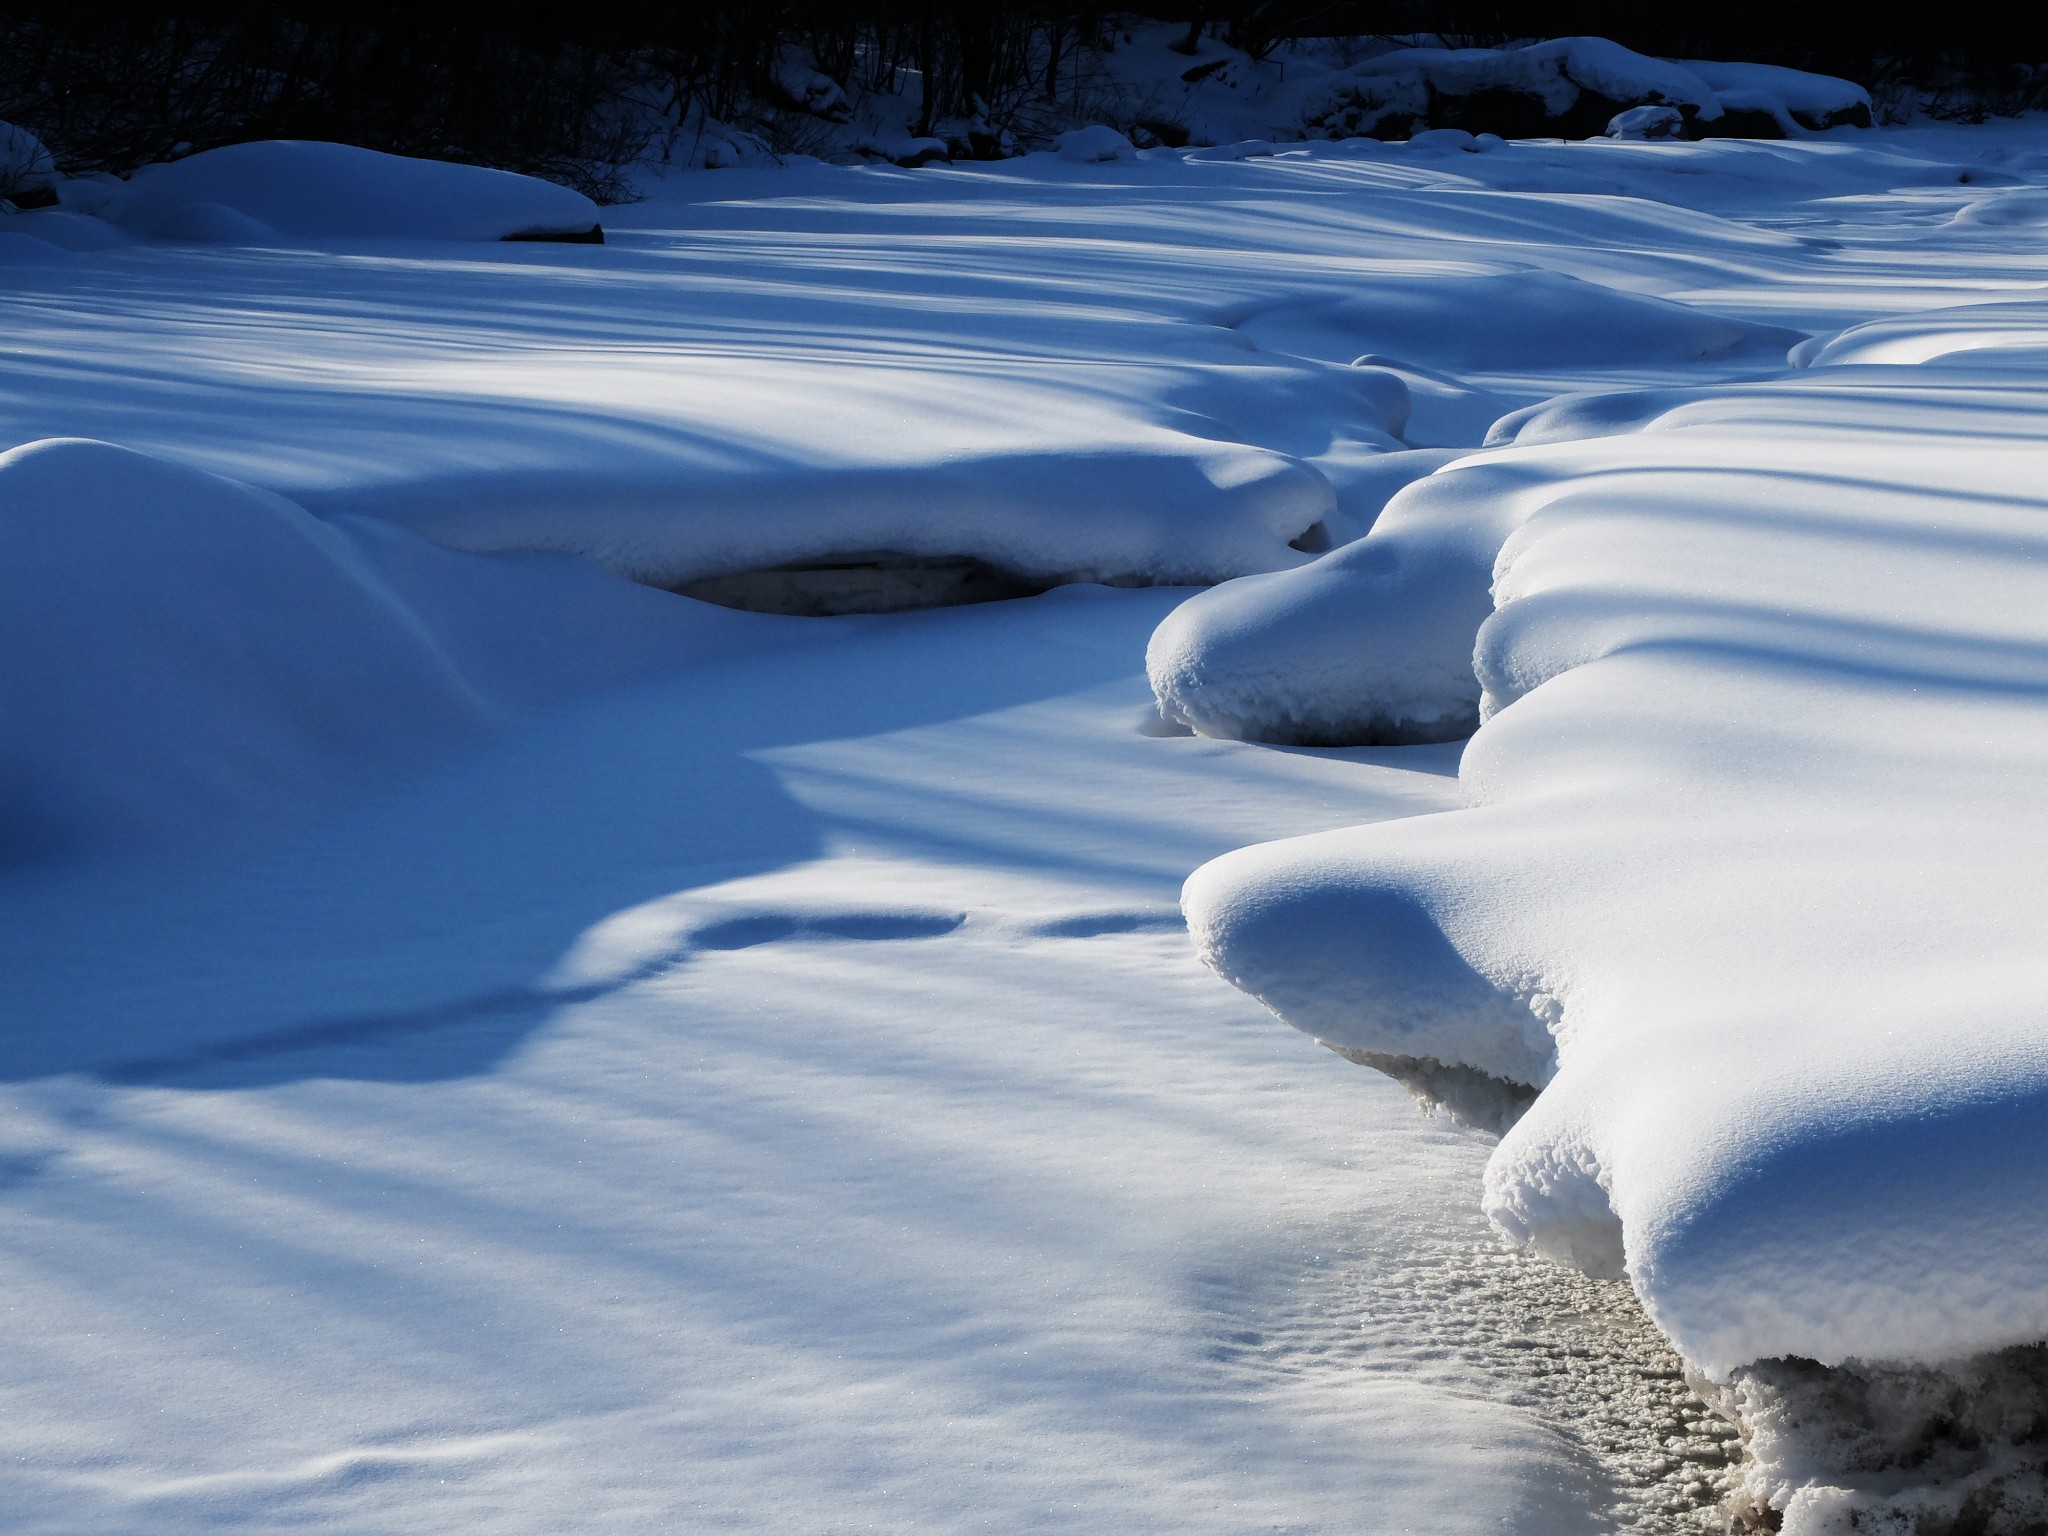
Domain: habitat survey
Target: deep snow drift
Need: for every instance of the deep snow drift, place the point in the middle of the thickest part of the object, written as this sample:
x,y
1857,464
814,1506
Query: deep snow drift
x,y
613,1059
1750,882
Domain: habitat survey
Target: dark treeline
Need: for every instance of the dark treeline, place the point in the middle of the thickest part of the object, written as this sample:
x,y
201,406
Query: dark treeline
x,y
572,90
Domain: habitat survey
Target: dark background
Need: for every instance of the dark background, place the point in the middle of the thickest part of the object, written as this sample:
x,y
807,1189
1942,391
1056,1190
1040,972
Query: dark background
x,y
539,87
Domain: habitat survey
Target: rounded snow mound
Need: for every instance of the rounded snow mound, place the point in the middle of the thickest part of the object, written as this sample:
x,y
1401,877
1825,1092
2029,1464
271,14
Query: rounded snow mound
x,y
1369,645
317,191
182,647
2023,209
1094,145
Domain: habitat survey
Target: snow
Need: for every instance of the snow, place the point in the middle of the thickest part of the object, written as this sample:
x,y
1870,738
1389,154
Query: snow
x,y
1646,123
186,650
807,1118
289,190
1554,72
1566,86
503,1046
1747,885
1094,145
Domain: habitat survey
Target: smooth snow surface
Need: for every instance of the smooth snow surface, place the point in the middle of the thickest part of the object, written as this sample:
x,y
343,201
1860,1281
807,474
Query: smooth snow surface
x,y
774,1098
492,1045
184,651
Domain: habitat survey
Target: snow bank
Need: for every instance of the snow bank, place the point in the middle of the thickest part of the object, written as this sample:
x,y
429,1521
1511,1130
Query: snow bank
x,y
183,650
1756,848
245,193
1371,643
1790,97
1567,87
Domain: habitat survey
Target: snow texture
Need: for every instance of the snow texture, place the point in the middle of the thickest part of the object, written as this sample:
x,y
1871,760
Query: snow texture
x,y
504,1047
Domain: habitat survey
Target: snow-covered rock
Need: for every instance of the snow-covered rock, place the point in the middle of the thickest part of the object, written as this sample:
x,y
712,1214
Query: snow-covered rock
x,y
1789,97
1094,145
1641,123
314,191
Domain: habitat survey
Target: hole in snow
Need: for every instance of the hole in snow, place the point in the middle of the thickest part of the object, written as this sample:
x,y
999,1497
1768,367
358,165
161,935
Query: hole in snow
x,y
878,583
1312,540
1470,1097
1155,724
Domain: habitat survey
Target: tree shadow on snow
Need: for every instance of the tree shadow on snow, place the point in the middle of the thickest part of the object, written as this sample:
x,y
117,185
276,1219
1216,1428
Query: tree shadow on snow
x,y
412,937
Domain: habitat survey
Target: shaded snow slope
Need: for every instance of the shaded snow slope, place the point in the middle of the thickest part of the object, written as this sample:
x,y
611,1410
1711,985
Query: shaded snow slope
x,y
183,650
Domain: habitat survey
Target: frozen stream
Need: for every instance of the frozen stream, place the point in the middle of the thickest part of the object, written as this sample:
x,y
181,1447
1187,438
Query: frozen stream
x,y
597,1061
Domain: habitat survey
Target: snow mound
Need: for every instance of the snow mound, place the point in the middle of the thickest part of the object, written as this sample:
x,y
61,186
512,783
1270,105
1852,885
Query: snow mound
x,y
1094,145
2025,208
184,650
1751,883
1790,97
316,191
1371,643
1645,123
1174,510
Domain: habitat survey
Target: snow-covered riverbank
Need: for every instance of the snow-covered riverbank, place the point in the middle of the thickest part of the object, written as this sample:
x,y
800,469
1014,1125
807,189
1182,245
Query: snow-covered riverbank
x,y
684,1068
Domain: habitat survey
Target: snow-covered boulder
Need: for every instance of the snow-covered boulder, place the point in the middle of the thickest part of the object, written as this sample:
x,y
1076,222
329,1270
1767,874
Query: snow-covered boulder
x,y
1570,87
316,191
1574,87
1789,98
1642,123
28,176
1094,145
